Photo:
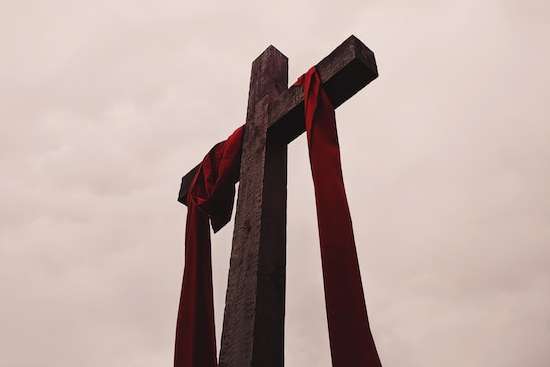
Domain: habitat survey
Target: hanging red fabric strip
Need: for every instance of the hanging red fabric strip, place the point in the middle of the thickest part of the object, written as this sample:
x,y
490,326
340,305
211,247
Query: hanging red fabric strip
x,y
351,341
209,199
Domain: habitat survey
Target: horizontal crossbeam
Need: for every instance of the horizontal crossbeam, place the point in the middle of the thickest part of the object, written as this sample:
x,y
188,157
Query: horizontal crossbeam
x,y
344,72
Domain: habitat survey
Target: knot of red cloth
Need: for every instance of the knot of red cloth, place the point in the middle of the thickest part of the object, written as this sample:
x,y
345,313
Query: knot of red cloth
x,y
213,187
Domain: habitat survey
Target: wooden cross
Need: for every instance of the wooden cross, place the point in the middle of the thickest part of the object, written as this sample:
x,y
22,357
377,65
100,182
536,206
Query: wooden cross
x,y
253,325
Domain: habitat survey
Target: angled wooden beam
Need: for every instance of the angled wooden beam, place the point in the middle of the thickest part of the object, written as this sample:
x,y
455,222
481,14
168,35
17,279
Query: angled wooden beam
x,y
344,72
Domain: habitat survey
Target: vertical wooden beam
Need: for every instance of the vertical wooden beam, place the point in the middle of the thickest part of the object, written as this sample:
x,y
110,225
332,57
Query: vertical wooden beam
x,y
253,327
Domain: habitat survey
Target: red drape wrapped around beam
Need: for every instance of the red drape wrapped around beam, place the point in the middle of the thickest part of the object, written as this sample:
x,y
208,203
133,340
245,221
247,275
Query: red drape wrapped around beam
x,y
211,197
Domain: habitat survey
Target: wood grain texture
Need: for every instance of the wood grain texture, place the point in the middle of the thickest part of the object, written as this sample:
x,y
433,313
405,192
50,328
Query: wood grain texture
x,y
253,329
345,71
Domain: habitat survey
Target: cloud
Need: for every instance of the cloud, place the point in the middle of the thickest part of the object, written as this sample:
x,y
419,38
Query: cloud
x,y
445,156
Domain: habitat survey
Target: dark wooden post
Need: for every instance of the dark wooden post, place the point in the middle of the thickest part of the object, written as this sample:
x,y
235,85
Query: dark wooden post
x,y
253,328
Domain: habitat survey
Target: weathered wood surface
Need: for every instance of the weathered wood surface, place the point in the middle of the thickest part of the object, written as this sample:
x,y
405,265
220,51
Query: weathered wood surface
x,y
345,71
253,328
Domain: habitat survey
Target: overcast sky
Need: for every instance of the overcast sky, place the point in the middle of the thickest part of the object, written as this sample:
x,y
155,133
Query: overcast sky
x,y
446,159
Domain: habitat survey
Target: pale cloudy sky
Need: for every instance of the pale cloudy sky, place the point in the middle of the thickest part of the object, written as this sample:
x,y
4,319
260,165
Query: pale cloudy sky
x,y
105,104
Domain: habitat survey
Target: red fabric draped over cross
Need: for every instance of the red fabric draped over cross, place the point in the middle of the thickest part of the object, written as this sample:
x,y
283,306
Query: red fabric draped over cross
x,y
211,196
351,342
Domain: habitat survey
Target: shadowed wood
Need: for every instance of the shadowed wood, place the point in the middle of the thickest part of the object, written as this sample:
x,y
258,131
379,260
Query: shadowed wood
x,y
253,329
345,71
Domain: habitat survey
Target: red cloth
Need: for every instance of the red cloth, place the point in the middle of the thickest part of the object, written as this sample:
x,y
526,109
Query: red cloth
x,y
210,197
351,342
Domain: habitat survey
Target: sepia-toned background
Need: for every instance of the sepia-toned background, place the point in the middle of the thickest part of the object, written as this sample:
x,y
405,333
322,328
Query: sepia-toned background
x,y
104,105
